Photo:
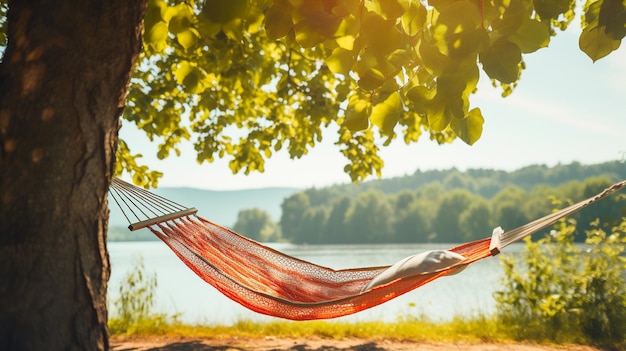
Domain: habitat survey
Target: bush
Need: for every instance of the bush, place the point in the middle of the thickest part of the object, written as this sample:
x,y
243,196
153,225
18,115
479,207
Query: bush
x,y
604,286
561,292
135,304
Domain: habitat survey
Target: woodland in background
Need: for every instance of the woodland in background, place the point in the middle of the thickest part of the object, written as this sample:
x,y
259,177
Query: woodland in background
x,y
438,206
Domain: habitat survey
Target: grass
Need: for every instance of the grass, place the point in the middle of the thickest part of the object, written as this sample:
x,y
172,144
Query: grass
x,y
478,329
474,330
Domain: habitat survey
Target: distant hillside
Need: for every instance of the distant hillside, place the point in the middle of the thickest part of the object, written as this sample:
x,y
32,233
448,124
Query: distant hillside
x,y
483,182
220,207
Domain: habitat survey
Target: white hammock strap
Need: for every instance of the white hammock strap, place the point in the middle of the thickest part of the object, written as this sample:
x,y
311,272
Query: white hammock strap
x,y
519,233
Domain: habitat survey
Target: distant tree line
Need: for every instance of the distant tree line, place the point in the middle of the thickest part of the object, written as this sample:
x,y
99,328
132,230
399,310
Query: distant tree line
x,y
432,214
457,207
257,224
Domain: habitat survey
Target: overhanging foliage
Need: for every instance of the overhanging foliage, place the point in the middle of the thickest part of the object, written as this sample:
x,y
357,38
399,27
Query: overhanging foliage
x,y
244,79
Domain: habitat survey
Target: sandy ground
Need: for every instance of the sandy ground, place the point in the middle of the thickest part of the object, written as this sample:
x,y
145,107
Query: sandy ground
x,y
318,344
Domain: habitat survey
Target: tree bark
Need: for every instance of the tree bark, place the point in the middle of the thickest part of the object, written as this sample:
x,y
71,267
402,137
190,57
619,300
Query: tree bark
x,y
63,81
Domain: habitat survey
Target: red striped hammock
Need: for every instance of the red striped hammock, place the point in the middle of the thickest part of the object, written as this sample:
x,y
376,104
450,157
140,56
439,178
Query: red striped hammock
x,y
269,282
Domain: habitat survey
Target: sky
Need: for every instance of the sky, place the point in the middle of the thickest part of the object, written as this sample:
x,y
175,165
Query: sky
x,y
565,108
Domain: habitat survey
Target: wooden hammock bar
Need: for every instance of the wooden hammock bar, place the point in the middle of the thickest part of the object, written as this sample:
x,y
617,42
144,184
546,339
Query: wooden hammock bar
x,y
163,218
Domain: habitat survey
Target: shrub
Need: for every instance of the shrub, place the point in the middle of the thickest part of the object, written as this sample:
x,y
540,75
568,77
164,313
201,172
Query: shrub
x,y
603,282
562,292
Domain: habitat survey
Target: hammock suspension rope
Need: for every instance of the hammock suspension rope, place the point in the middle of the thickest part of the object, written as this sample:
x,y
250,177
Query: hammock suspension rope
x,y
147,208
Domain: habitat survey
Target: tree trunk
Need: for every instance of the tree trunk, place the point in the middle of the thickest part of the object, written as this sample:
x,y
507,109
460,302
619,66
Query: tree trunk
x,y
63,80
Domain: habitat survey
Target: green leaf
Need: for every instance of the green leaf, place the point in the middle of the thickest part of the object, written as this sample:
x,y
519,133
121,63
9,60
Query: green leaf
x,y
314,24
460,15
234,29
512,18
592,12
182,71
502,61
531,36
278,20
596,43
346,42
180,18
370,79
189,76
595,40
612,16
208,29
357,113
439,116
470,128
187,38
156,36
310,32
386,114
548,9
457,32
380,36
454,89
224,11
389,9
421,97
347,31
414,17
154,13
439,3
400,58
340,61
433,60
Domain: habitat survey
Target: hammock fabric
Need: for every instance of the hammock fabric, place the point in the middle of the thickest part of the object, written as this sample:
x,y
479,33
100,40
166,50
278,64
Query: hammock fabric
x,y
269,282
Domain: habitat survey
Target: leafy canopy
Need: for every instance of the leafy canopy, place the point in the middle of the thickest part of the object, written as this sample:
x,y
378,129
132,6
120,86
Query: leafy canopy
x,y
244,79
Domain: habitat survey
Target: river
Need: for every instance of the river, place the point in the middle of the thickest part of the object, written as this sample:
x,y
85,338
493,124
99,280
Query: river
x,y
180,291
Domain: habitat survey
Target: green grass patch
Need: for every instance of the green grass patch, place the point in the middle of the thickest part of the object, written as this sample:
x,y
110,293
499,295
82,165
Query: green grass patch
x,y
480,329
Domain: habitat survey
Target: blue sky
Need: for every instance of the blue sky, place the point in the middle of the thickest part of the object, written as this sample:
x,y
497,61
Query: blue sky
x,y
565,109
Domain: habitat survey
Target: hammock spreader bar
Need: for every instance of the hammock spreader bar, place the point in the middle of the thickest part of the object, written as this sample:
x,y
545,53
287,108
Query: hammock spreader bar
x,y
269,282
163,218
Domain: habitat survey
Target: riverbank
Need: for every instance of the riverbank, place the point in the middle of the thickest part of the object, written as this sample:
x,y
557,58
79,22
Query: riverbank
x,y
235,343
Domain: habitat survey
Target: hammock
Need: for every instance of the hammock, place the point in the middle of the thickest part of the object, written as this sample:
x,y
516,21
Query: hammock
x,y
269,282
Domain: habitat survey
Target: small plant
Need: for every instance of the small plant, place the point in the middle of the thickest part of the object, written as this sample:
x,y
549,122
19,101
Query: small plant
x,y
135,304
